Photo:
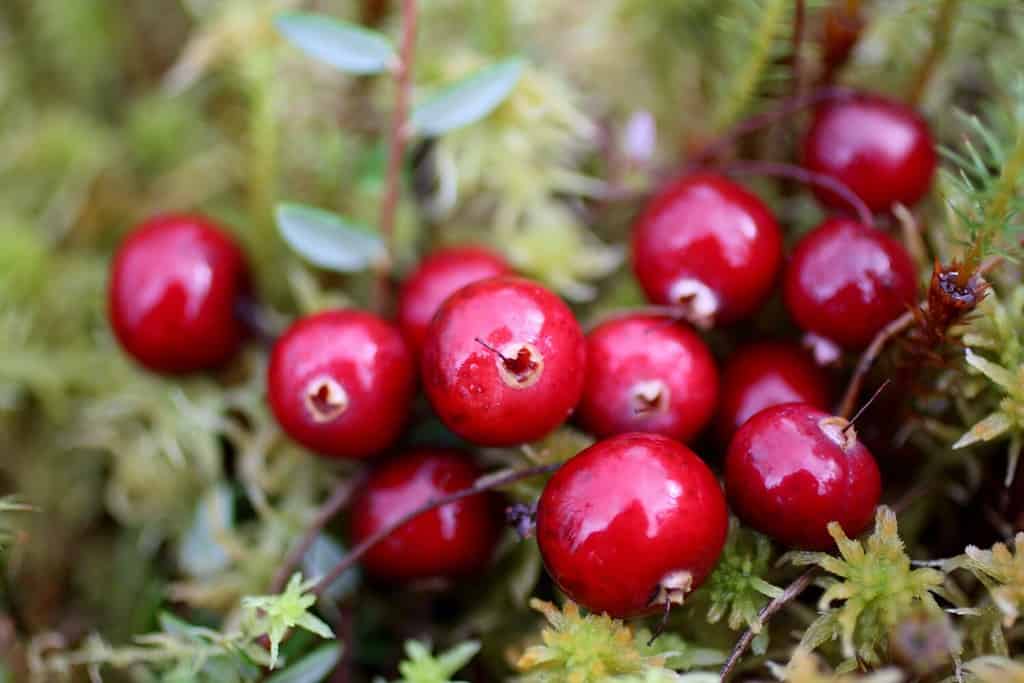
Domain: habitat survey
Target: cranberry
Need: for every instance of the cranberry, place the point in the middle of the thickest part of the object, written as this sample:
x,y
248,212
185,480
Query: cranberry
x,y
846,281
174,287
341,383
439,276
880,149
791,469
503,361
765,374
647,374
451,540
631,523
706,244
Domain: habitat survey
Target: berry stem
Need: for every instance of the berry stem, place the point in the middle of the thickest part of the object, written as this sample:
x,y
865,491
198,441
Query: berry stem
x,y
485,483
867,359
867,404
942,30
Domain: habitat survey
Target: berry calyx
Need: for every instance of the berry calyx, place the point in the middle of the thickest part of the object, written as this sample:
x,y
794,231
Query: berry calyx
x,y
647,374
503,361
846,281
437,277
452,540
175,285
341,383
708,246
882,150
631,524
792,468
765,374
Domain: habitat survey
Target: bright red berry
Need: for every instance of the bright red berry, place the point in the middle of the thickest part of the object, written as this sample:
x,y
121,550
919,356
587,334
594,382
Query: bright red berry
x,y
175,285
647,374
341,383
706,244
846,281
435,279
452,540
631,523
791,469
880,149
503,361
765,374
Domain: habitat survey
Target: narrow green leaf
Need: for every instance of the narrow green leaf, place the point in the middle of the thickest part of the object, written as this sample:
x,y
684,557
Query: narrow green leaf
x,y
327,240
467,101
347,47
201,552
312,668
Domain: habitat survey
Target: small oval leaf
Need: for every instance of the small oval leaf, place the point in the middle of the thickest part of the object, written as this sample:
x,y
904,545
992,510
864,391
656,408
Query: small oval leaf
x,y
320,559
200,552
467,101
327,240
312,668
347,47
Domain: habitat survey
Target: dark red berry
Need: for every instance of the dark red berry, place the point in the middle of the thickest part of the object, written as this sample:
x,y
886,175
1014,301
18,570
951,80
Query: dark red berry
x,y
341,383
631,523
647,374
880,149
846,281
765,374
706,244
435,279
452,540
791,469
503,361
175,285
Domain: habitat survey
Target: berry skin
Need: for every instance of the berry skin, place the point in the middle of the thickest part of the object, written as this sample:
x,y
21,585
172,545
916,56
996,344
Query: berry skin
x,y
791,469
632,522
435,279
647,374
880,149
503,362
452,540
341,383
845,282
765,374
706,244
175,284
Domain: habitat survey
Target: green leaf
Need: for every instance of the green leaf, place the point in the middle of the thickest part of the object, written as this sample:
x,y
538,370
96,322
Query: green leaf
x,y
201,553
329,241
312,668
347,47
467,101
321,557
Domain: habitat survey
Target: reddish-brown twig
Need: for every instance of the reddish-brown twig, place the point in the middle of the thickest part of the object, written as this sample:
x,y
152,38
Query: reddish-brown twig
x,y
867,359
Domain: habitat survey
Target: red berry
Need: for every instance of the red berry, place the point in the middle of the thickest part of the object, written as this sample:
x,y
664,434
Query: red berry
x,y
439,276
846,281
765,374
503,361
880,149
175,284
631,523
341,383
791,469
708,245
647,374
451,540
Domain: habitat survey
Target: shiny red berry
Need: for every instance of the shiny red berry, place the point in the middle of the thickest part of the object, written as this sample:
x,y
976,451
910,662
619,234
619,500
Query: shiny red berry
x,y
631,523
435,279
791,469
452,540
647,374
706,244
846,281
503,361
765,374
880,149
341,383
174,289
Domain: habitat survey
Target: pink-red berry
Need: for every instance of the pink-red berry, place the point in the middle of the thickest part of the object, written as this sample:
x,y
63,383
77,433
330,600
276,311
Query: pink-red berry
x,y
631,523
647,374
175,287
503,361
341,383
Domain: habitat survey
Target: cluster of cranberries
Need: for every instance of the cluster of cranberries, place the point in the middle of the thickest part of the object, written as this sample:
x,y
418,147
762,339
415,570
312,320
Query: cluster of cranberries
x,y
636,521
